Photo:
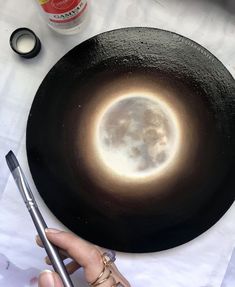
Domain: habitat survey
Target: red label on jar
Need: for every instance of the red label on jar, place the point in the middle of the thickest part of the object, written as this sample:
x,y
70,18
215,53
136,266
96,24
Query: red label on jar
x,y
64,11
60,6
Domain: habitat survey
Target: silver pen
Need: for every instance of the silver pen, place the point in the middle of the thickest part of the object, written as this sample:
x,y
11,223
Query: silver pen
x,y
37,218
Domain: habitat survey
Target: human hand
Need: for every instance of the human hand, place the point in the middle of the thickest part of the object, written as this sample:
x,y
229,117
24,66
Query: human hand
x,y
96,267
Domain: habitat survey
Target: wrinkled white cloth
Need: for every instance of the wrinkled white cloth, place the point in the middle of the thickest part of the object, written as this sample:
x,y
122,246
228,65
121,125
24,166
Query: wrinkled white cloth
x,y
203,262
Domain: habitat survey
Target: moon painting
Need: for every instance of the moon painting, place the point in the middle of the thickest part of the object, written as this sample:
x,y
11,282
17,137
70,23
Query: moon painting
x,y
131,140
137,136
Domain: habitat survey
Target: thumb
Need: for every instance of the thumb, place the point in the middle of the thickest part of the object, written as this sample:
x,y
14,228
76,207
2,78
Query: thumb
x,y
48,278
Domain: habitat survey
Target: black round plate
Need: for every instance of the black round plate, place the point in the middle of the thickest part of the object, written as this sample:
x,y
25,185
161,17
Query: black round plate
x,y
130,139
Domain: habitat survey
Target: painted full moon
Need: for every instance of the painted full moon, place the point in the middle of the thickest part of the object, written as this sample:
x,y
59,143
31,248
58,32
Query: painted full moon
x,y
137,136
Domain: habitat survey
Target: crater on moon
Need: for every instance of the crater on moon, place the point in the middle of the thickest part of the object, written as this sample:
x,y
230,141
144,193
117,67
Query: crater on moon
x,y
137,136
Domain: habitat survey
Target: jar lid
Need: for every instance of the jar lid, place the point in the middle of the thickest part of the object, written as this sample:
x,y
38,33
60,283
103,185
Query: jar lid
x,y
25,43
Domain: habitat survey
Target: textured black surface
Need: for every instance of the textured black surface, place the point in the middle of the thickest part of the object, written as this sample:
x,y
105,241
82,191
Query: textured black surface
x,y
164,213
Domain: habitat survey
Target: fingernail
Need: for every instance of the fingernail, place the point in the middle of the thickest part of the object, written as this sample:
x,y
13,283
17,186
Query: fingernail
x,y
47,260
37,239
46,279
51,230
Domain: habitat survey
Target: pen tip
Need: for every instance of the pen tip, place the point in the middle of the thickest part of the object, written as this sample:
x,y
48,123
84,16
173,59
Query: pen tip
x,y
11,161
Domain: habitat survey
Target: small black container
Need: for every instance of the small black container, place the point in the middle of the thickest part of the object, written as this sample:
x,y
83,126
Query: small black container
x,y
25,43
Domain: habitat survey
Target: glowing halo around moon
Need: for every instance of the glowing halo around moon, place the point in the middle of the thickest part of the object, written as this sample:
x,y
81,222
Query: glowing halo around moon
x,y
137,135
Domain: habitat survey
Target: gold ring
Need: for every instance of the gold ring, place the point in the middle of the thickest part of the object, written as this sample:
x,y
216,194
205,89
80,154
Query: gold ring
x,y
100,275
118,284
108,258
103,280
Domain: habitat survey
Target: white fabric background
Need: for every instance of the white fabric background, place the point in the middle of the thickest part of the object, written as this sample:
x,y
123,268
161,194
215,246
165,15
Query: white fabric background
x,y
200,263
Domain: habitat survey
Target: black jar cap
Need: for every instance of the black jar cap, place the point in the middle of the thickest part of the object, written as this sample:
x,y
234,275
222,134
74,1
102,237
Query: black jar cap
x,y
25,43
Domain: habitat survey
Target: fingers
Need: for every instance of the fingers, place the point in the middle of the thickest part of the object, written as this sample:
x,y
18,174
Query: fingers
x,y
77,248
39,241
40,244
72,267
82,252
119,275
48,261
48,278
63,254
70,246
